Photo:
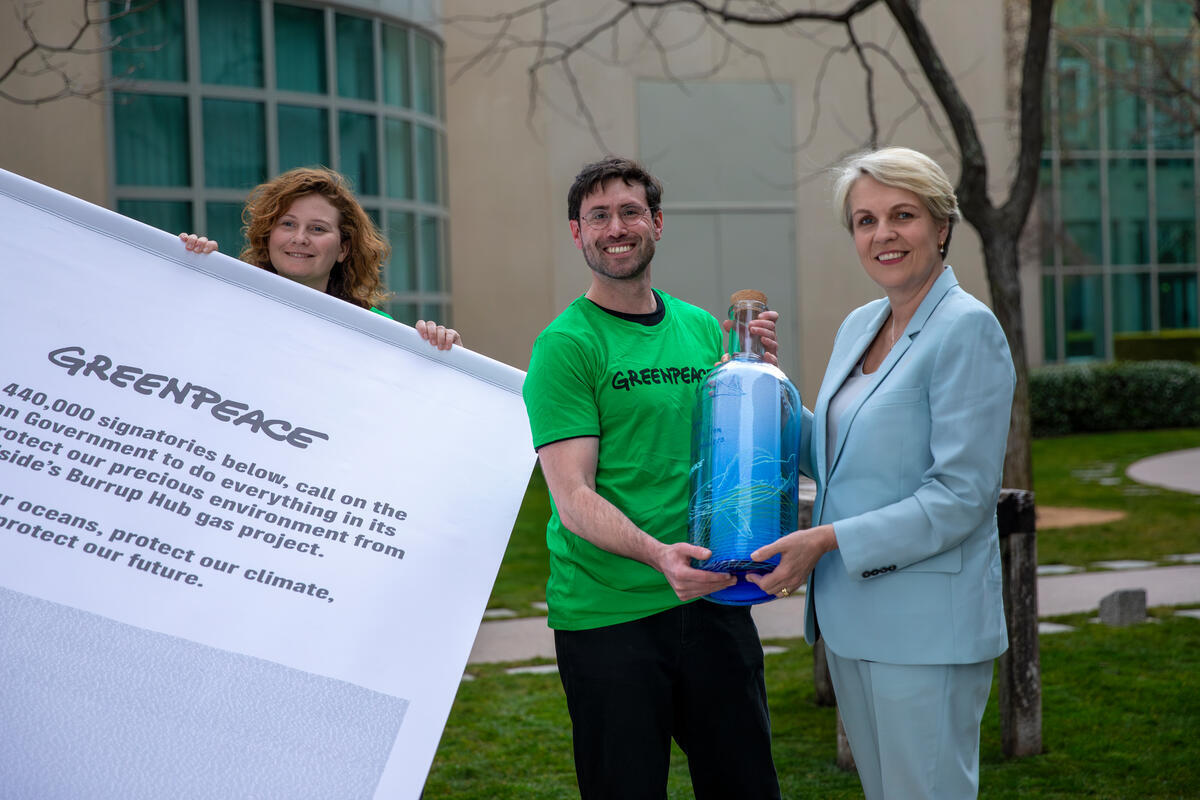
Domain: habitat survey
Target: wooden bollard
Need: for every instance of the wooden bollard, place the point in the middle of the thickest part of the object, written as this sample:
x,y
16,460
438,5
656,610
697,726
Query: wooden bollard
x,y
1020,674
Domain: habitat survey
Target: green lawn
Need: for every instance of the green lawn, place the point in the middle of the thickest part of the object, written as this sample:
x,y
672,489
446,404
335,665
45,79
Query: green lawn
x,y
1121,707
522,578
1089,471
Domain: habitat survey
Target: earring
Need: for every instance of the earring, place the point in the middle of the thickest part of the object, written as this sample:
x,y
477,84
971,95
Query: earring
x,y
942,248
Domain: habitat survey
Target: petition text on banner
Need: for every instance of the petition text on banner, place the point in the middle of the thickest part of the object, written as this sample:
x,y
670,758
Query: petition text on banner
x,y
247,531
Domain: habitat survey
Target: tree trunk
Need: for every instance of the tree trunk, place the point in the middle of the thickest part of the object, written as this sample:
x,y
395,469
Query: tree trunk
x,y
1004,279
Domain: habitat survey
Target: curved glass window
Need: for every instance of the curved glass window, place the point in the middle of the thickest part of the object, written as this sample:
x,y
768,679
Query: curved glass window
x,y
235,91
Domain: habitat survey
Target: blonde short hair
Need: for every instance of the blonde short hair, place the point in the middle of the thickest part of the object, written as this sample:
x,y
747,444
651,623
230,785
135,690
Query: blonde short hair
x,y
902,168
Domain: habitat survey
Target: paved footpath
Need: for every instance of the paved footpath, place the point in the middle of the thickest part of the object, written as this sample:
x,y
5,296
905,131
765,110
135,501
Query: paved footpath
x,y
528,638
1179,470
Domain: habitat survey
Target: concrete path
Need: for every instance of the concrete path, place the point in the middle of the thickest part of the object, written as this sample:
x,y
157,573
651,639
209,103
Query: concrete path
x,y
527,638
1179,470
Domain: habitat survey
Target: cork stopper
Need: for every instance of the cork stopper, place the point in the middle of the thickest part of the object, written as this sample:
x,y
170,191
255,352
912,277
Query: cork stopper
x,y
750,295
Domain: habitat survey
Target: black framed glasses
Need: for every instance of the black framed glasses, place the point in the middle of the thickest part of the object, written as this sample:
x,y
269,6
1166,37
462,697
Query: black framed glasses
x,y
600,218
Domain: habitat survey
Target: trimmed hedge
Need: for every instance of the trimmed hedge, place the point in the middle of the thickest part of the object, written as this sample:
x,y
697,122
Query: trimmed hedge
x,y
1132,395
1173,345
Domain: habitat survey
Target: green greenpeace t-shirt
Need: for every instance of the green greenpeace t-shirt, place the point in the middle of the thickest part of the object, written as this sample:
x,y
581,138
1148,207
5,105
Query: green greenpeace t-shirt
x,y
634,386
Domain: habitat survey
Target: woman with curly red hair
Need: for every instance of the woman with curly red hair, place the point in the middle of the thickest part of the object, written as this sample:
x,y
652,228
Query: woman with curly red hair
x,y
307,226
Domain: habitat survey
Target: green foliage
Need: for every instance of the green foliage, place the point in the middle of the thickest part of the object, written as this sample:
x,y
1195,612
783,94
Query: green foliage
x,y
1079,398
1172,345
1088,470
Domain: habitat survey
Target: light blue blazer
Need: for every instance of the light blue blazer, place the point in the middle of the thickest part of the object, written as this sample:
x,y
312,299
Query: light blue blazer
x,y
912,486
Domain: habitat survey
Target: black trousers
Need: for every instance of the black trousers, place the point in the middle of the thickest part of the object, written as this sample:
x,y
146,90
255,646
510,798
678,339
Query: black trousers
x,y
693,673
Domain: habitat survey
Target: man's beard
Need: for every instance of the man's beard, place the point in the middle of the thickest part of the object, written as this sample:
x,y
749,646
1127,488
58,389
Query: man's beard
x,y
594,257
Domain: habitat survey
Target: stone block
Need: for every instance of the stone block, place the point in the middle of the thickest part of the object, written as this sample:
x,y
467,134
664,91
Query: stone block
x,y
1123,607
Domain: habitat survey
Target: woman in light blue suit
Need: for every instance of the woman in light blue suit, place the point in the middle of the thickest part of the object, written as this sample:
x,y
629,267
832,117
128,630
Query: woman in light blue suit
x,y
907,448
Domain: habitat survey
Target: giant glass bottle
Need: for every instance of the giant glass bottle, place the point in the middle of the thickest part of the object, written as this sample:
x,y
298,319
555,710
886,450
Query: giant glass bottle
x,y
745,458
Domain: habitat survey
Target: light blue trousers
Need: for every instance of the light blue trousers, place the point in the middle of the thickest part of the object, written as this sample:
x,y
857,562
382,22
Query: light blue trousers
x,y
913,729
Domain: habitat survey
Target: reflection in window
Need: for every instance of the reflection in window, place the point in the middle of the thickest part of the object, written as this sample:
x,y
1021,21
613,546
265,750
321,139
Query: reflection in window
x,y
1128,15
1173,115
231,43
1171,13
299,49
1077,96
1045,208
427,161
355,65
225,225
358,158
1130,302
151,140
1175,199
166,215
1069,13
428,78
1177,300
395,67
407,312
433,311
303,136
398,135
152,47
1125,110
430,257
1129,211
234,148
1081,212
1083,315
1049,316
402,270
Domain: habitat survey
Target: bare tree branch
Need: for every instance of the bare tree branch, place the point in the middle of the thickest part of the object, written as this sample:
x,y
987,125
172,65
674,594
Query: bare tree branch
x,y
869,88
999,227
41,57
773,16
919,102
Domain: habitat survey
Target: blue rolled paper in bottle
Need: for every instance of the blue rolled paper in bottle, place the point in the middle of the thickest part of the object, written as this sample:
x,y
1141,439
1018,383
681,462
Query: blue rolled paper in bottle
x,y
745,458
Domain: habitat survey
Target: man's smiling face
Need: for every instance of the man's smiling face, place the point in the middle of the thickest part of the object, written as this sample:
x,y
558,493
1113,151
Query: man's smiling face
x,y
621,249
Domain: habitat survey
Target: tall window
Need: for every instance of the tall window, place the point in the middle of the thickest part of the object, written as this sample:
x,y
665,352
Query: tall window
x,y
1119,183
217,96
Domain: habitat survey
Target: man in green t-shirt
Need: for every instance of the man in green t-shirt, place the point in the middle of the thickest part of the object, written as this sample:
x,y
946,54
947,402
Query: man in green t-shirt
x,y
610,394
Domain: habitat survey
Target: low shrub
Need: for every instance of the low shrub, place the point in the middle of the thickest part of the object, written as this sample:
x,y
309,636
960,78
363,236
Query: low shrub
x,y
1132,395
1170,345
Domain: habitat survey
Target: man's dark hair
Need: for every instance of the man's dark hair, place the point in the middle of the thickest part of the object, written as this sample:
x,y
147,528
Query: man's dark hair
x,y
593,176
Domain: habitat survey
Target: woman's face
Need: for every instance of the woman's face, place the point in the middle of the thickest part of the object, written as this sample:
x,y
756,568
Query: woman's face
x,y
896,237
306,241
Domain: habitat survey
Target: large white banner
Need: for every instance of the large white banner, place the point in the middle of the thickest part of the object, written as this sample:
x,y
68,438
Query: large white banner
x,y
247,531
